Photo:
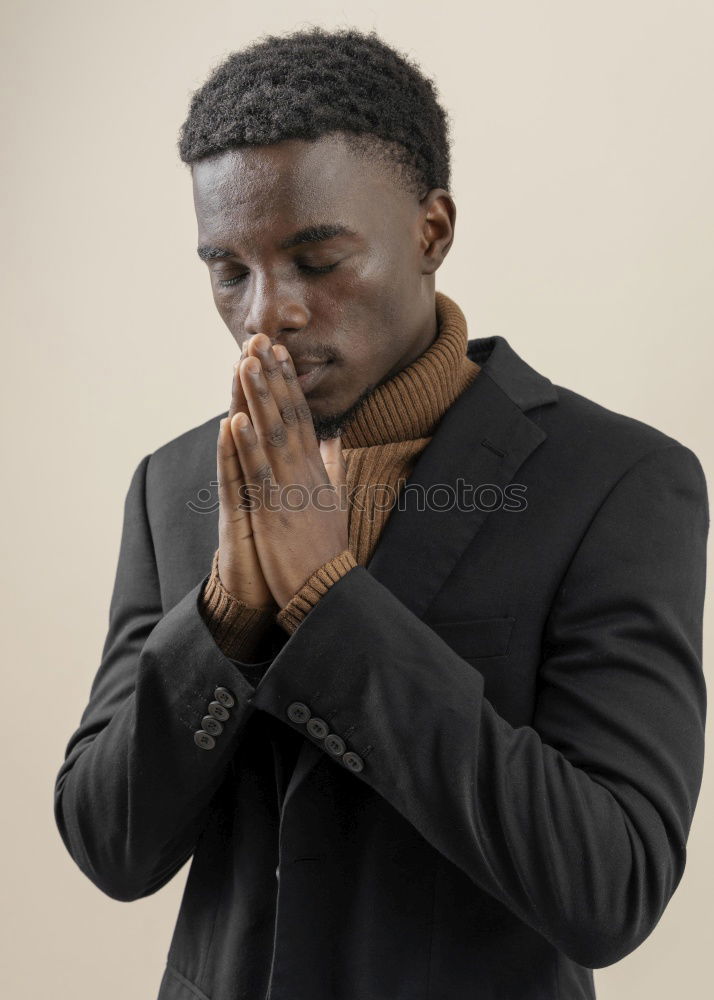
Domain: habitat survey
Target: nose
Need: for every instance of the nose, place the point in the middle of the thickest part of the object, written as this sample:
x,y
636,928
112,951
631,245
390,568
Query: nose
x,y
275,309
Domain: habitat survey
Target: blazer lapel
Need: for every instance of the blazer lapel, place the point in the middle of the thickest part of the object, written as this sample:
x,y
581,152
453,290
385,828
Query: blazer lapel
x,y
483,439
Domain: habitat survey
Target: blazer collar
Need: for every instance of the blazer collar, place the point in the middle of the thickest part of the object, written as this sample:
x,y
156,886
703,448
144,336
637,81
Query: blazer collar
x,y
482,440
525,386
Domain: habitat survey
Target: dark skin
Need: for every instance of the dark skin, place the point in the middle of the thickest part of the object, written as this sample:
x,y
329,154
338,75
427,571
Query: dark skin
x,y
362,302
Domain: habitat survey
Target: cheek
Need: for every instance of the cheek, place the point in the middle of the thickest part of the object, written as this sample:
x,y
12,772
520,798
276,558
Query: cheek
x,y
368,356
227,308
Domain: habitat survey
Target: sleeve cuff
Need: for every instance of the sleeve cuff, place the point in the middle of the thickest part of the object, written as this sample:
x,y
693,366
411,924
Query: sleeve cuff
x,y
235,626
314,587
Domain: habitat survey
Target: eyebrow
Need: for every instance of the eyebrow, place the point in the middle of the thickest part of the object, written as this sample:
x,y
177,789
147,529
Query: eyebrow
x,y
310,234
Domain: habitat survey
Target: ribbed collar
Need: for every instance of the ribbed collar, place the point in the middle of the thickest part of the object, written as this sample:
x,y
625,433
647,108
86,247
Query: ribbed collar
x,y
412,402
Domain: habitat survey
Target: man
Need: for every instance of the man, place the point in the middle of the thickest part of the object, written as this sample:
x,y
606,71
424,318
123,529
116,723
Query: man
x,y
445,739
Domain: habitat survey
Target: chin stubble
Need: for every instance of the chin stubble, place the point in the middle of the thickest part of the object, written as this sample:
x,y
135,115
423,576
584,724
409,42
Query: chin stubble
x,y
332,424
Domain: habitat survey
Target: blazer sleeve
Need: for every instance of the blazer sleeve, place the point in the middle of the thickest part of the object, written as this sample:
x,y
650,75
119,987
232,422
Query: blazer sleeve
x,y
132,794
577,823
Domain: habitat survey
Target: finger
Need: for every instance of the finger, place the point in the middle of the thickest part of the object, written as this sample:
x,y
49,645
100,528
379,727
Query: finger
x,y
259,347
304,422
232,409
239,404
278,446
254,464
230,481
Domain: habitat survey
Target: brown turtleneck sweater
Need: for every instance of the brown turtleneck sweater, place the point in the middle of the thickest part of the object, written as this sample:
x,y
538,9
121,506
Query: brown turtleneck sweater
x,y
380,444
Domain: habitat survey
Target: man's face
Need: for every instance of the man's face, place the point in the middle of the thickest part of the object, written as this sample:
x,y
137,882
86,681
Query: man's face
x,y
370,312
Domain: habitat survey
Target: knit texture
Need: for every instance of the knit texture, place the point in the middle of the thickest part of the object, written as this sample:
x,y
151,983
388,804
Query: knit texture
x,y
380,445
235,626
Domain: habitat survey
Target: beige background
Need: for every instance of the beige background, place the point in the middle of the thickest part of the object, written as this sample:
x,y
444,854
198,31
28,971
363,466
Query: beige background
x,y
583,162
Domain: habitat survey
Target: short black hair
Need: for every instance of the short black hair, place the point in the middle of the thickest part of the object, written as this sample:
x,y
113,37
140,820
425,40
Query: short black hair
x,y
315,82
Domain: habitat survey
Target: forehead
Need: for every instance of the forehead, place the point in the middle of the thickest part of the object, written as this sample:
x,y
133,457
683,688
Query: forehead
x,y
293,182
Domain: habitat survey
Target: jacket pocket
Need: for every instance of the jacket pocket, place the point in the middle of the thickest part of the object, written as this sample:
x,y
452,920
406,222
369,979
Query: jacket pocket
x,y
476,638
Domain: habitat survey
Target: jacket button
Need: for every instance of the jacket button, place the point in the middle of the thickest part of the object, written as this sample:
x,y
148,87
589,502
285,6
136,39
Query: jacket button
x,y
353,761
277,872
317,728
335,744
298,712
218,711
211,725
224,696
204,740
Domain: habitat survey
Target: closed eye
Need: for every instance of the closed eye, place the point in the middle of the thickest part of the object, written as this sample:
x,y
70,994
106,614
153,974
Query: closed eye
x,y
227,282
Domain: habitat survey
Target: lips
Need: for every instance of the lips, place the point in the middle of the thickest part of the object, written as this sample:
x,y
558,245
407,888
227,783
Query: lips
x,y
309,374
304,366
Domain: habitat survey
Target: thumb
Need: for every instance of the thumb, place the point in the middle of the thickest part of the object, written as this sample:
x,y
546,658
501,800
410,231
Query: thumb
x,y
333,460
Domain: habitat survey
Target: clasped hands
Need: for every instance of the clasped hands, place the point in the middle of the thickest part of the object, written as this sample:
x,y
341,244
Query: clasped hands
x,y
267,549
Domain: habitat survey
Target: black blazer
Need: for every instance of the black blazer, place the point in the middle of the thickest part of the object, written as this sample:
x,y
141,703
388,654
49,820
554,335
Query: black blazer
x,y
512,699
